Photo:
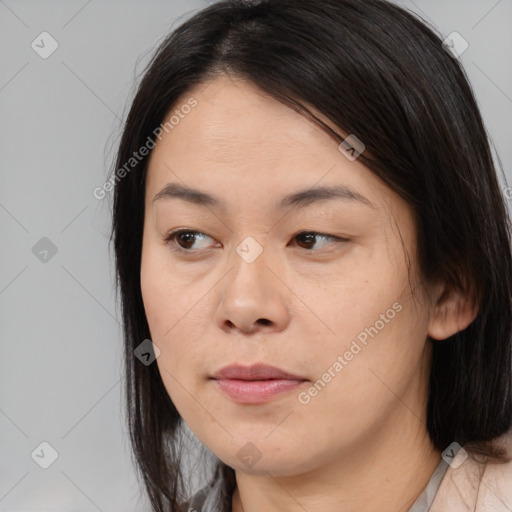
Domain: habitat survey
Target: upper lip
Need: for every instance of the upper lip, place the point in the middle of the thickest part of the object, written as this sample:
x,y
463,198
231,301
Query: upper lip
x,y
257,371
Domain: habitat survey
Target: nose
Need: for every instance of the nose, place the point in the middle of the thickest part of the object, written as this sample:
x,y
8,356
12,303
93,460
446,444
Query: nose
x,y
252,298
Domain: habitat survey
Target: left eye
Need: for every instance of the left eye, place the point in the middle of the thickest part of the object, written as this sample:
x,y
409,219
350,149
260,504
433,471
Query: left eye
x,y
308,238
184,239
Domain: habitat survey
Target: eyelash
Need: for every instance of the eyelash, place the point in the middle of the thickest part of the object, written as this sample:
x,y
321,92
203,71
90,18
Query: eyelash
x,y
170,239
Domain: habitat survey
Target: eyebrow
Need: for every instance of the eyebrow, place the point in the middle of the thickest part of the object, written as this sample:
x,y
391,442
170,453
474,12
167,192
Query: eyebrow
x,y
299,199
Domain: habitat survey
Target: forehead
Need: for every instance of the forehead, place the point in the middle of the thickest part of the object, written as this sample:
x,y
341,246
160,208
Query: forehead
x,y
242,143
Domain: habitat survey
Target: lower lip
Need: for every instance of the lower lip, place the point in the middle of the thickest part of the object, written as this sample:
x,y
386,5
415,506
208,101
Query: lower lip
x,y
256,391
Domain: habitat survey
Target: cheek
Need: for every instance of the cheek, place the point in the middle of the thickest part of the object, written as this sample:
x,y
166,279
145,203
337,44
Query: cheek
x,y
358,382
155,298
378,328
173,310
162,297
170,330
355,302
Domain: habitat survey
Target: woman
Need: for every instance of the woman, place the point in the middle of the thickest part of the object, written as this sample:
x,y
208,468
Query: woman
x,y
309,228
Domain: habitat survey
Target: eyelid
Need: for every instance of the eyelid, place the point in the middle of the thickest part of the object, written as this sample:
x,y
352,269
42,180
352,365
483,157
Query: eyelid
x,y
322,234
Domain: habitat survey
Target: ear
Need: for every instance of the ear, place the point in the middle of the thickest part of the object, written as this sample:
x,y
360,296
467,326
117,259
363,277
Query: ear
x,y
452,311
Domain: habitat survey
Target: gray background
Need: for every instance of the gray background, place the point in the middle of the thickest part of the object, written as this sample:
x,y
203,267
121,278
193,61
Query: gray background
x,y
60,370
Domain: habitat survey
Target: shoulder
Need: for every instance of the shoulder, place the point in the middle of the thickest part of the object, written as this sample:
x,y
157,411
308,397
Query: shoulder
x,y
476,486
496,485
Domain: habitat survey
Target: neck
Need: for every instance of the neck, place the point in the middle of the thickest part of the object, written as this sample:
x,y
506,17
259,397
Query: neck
x,y
387,474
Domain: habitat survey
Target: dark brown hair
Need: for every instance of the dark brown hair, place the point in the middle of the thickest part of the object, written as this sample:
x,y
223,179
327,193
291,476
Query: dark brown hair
x,y
377,71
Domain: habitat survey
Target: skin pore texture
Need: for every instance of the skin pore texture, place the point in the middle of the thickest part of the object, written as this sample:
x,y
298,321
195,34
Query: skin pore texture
x,y
360,443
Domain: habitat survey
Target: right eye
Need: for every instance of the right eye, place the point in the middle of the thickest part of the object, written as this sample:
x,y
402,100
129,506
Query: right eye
x,y
184,239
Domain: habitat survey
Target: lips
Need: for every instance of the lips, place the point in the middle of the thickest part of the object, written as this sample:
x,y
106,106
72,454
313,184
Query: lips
x,y
255,384
255,372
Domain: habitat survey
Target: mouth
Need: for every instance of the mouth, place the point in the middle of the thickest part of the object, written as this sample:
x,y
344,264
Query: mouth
x,y
259,371
255,384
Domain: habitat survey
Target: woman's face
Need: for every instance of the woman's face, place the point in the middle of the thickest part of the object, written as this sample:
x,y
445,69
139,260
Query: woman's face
x,y
334,309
